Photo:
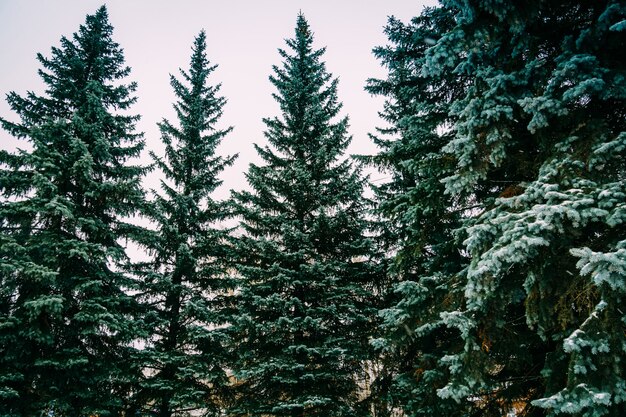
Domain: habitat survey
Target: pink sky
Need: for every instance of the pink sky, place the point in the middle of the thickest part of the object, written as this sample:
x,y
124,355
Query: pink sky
x,y
242,38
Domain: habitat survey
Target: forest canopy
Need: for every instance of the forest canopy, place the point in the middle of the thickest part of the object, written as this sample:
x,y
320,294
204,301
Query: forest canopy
x,y
484,274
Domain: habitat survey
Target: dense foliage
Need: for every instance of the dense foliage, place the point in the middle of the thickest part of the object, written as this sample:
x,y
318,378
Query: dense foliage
x,y
526,163
502,286
185,283
419,222
303,256
66,314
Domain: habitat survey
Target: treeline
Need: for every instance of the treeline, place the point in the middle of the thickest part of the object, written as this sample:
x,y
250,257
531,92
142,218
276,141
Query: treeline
x,y
486,277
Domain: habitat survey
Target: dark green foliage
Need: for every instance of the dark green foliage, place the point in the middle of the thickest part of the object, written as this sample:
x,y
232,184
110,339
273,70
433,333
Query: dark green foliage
x,y
184,283
503,219
418,221
534,130
65,316
303,257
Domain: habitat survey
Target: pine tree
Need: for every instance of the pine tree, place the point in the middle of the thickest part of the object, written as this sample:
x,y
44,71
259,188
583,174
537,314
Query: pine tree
x,y
303,256
538,143
417,222
66,317
185,281
548,106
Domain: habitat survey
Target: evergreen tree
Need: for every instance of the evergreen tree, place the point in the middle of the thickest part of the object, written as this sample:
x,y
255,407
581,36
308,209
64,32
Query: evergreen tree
x,y
65,316
184,283
303,256
416,220
537,139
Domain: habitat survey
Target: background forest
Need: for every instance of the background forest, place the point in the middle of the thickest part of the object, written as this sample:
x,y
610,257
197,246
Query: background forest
x,y
483,273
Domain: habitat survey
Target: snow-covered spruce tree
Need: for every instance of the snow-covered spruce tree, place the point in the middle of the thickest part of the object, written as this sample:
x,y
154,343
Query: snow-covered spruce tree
x,y
184,283
303,256
65,316
417,221
539,147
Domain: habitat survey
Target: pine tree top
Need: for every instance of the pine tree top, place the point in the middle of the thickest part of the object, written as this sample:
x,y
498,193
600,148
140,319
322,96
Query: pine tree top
x,y
190,146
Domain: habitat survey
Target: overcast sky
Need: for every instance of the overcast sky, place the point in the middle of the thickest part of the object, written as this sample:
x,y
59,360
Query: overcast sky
x,y
242,38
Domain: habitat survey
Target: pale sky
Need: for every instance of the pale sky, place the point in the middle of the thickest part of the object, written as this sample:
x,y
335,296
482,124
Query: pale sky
x,y
242,38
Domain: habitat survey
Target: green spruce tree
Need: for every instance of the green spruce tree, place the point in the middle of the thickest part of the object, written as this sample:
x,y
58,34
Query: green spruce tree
x,y
546,109
65,316
303,257
184,283
416,220
537,141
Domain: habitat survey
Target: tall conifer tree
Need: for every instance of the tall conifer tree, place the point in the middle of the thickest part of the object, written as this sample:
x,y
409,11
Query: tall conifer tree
x,y
65,319
417,221
537,140
184,283
546,113
303,257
